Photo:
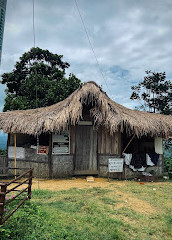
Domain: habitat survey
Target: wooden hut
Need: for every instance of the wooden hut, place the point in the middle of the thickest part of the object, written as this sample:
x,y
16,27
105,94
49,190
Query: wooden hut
x,y
78,135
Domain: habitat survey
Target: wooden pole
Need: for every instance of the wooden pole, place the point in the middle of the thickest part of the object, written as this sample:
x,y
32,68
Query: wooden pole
x,y
30,183
15,155
3,188
128,143
124,170
50,156
37,151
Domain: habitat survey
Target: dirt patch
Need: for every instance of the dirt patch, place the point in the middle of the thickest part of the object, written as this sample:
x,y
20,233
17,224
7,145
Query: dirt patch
x,y
128,200
136,204
130,221
65,184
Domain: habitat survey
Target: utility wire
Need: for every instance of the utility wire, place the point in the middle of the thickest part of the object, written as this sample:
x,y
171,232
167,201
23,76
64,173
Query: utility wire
x,y
34,50
33,23
37,137
91,46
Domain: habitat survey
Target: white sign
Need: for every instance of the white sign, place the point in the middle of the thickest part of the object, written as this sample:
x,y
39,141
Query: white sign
x,y
61,143
62,149
61,138
20,152
116,164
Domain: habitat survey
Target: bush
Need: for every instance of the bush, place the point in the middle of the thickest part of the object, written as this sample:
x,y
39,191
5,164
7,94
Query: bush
x,y
3,152
168,164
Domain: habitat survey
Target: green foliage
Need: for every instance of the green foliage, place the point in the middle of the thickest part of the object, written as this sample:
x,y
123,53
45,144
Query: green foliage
x,y
39,72
168,164
168,219
168,157
154,93
167,144
3,152
27,217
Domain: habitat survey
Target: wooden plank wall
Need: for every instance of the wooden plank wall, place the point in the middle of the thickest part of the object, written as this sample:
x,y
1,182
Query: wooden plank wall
x,y
108,144
72,139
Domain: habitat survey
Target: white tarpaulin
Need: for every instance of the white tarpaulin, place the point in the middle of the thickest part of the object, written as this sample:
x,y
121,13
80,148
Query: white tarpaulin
x,y
20,152
158,145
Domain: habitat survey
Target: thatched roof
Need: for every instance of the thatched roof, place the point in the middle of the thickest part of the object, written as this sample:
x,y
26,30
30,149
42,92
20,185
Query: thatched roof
x,y
69,111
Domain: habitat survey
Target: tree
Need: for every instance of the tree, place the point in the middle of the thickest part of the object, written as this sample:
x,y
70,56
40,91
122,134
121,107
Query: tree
x,y
154,93
38,73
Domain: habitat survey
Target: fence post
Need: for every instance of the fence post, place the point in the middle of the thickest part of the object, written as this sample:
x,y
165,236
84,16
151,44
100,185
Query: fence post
x,y
2,201
30,183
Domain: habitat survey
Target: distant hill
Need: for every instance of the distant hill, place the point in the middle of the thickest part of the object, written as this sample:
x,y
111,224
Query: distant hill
x,y
3,141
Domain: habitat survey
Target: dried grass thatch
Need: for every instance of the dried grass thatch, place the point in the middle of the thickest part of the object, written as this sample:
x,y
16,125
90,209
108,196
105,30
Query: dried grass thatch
x,y
69,111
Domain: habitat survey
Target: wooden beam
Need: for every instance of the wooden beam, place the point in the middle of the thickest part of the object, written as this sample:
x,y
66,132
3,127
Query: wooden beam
x,y
99,139
72,139
50,157
3,189
128,143
119,142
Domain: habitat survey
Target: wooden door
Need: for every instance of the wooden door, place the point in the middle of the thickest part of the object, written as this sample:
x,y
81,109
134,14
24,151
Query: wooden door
x,y
86,150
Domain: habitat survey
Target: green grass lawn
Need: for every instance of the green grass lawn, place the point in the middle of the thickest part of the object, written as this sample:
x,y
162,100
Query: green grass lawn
x,y
129,211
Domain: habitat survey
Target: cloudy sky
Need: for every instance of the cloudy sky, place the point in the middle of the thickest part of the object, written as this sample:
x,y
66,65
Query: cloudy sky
x,y
128,36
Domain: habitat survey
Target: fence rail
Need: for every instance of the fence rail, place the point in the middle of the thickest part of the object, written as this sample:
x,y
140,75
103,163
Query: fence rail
x,y
6,188
5,171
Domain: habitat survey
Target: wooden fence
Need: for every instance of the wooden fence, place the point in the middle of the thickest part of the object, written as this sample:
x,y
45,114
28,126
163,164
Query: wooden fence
x,y
6,188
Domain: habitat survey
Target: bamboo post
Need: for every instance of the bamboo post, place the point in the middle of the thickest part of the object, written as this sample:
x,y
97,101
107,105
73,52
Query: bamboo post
x,y
15,155
3,188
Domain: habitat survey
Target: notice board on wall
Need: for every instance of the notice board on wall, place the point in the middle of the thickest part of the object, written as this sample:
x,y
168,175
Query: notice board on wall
x,y
115,165
20,152
61,143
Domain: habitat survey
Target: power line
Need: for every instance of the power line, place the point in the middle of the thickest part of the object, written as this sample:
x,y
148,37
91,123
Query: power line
x,y
34,50
37,137
91,46
33,23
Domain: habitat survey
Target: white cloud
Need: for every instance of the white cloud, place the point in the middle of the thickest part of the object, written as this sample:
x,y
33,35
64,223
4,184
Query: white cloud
x,y
129,37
